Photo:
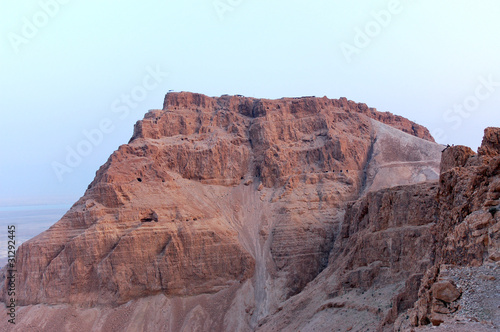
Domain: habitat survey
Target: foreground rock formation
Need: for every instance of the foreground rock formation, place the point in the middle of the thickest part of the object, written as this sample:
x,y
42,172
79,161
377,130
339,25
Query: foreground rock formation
x,y
242,214
467,237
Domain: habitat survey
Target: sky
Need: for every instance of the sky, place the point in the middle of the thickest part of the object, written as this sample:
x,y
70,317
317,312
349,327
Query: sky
x,y
76,75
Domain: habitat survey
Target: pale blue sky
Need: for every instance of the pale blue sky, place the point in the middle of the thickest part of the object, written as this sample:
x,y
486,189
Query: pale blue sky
x,y
68,75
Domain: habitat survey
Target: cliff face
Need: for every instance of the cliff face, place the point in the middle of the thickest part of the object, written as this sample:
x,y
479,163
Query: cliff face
x,y
383,248
411,256
467,238
224,212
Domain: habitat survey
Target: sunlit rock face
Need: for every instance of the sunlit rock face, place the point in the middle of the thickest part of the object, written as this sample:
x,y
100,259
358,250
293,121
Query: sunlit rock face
x,y
221,212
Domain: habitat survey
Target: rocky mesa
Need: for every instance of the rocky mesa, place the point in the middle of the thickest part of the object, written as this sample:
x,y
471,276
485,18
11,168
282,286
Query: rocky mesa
x,y
244,214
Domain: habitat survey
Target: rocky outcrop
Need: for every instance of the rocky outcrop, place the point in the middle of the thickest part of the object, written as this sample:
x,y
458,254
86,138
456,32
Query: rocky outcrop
x,y
455,156
252,107
437,245
491,143
232,213
383,248
467,233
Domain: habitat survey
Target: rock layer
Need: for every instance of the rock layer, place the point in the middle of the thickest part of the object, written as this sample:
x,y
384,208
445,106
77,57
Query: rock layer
x,y
381,252
229,212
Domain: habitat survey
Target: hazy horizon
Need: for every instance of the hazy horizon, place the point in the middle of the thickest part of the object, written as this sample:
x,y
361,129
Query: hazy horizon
x,y
76,76
29,222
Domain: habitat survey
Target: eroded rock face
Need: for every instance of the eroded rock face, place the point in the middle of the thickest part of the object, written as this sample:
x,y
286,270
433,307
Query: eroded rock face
x,y
383,248
445,291
467,233
491,142
397,159
455,156
224,210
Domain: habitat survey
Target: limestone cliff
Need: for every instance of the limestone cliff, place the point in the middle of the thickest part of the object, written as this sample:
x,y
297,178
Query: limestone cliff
x,y
241,214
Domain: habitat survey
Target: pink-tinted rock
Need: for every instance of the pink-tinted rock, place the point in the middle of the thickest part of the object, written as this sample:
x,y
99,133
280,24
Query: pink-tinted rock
x,y
491,142
221,211
445,291
455,156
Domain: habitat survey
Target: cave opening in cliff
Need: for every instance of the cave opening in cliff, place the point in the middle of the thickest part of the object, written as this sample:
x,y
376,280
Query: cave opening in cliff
x,y
150,217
